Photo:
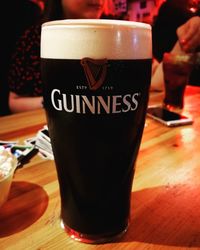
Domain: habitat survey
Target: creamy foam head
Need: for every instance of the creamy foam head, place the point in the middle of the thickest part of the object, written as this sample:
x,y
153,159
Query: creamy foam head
x,y
8,163
97,39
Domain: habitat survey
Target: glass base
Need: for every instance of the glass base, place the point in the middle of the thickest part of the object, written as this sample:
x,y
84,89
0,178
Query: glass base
x,y
93,239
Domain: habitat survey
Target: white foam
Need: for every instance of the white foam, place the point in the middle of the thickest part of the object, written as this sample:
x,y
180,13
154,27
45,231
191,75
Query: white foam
x,y
96,38
8,162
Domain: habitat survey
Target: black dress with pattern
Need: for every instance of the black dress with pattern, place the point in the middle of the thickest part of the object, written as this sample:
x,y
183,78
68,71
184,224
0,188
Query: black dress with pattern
x,y
24,76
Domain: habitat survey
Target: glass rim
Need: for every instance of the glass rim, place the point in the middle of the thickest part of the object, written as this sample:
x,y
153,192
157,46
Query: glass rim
x,y
95,22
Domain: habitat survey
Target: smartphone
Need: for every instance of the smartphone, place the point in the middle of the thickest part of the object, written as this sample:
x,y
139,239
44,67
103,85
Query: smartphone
x,y
167,117
44,134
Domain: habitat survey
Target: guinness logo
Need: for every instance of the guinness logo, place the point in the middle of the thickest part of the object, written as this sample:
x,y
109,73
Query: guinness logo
x,y
95,71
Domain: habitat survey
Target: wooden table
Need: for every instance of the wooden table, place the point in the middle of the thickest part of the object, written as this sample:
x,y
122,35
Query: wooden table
x,y
165,210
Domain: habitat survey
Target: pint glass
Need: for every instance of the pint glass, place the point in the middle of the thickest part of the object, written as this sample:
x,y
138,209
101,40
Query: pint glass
x,y
176,70
96,76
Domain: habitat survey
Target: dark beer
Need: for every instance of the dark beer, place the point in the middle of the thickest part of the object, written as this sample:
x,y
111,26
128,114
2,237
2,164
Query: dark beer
x,y
176,69
96,112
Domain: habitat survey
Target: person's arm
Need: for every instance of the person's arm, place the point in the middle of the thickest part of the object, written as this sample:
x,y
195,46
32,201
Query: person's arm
x,y
20,104
157,79
24,78
189,34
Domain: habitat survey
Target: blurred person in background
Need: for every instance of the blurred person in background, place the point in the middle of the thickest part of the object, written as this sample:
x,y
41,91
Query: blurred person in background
x,y
20,15
177,30
24,76
171,16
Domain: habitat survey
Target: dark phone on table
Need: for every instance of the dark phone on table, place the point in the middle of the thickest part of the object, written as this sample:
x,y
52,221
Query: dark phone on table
x,y
167,117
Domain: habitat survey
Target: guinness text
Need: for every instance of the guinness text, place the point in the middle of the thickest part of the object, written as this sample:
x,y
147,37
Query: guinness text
x,y
82,104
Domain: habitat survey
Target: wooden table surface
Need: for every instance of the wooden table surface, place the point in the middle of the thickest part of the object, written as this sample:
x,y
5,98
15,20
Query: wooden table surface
x,y
165,210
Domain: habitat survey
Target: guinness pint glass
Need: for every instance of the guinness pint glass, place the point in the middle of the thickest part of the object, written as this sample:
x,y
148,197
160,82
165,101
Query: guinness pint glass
x,y
96,76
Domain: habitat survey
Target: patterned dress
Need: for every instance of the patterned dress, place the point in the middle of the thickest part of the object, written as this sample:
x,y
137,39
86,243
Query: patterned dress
x,y
24,75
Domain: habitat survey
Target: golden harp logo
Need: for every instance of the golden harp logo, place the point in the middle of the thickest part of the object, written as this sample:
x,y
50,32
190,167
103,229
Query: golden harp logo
x,y
95,71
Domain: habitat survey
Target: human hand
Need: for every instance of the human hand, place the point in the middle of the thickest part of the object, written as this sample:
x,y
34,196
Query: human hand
x,y
189,34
